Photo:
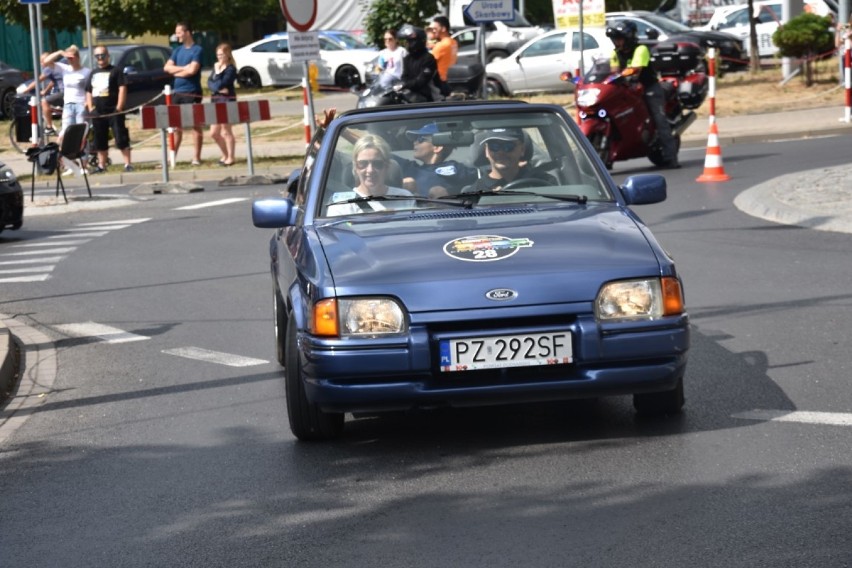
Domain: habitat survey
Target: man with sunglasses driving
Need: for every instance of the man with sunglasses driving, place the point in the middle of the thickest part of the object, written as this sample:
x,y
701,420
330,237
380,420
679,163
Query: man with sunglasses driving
x,y
506,150
437,175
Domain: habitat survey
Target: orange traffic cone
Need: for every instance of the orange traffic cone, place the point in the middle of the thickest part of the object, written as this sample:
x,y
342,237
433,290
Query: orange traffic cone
x,y
713,169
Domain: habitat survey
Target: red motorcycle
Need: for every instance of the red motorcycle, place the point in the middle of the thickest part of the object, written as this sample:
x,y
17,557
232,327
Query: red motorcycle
x,y
612,110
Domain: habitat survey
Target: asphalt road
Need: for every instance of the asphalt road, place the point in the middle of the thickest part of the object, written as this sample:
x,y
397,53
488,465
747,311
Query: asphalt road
x,y
165,440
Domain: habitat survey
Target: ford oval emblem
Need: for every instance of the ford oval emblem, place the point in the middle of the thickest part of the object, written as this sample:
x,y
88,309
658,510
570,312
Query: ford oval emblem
x,y
501,294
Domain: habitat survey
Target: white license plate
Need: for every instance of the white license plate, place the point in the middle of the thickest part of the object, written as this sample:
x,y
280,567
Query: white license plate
x,y
527,350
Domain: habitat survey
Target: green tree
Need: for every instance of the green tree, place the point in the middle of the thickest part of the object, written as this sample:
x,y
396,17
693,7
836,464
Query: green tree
x,y
805,36
384,14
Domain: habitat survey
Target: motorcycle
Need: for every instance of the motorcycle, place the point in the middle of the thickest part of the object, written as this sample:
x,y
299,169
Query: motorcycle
x,y
612,110
464,82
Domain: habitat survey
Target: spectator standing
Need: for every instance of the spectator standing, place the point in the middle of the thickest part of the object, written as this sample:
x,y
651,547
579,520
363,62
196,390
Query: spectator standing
x,y
221,84
74,78
51,89
106,96
390,59
445,51
185,66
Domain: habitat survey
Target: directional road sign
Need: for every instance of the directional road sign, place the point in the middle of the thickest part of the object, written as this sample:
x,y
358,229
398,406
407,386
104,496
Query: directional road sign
x,y
33,1
482,11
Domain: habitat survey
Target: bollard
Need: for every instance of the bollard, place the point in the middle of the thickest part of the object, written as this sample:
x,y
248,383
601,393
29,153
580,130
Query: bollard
x,y
711,83
847,79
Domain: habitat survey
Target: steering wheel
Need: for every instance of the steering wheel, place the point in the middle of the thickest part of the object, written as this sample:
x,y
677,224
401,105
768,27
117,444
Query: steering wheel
x,y
525,182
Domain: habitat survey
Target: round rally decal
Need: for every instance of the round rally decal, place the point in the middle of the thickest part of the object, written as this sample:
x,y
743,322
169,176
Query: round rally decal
x,y
485,248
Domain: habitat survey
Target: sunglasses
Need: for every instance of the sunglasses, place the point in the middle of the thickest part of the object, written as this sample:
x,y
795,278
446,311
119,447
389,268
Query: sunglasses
x,y
501,145
422,138
377,164
101,55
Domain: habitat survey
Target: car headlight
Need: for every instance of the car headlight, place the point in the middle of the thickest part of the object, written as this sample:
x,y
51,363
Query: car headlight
x,y
7,175
357,317
588,97
647,298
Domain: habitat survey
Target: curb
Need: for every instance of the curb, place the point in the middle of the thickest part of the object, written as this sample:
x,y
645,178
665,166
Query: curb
x,y
8,361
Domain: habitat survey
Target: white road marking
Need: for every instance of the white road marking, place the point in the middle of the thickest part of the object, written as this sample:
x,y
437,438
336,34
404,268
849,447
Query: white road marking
x,y
212,203
65,250
32,260
214,357
47,268
76,235
800,416
122,222
54,243
32,278
104,332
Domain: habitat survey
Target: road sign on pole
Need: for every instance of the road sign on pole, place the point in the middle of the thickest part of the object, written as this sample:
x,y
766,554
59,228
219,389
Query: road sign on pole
x,y
300,14
483,11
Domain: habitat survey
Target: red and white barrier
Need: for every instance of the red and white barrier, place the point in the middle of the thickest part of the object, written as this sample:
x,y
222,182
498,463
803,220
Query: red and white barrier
x,y
168,117
204,114
33,121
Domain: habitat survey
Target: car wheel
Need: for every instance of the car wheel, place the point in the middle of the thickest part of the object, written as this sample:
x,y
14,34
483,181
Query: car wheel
x,y
495,89
279,312
347,76
307,421
657,403
249,78
496,55
7,103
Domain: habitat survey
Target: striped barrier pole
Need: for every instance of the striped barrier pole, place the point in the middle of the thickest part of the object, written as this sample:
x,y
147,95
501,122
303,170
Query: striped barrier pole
x,y
847,79
711,83
33,121
172,153
308,102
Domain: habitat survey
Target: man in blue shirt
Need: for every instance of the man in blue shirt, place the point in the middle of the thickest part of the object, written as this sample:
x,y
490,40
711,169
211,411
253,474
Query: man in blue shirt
x,y
436,176
185,66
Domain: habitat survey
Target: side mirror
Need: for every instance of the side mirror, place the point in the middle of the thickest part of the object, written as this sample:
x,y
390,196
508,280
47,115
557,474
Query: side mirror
x,y
130,70
644,189
273,213
653,34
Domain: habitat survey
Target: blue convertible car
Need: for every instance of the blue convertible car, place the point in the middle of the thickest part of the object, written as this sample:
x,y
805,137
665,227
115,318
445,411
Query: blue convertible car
x,y
461,254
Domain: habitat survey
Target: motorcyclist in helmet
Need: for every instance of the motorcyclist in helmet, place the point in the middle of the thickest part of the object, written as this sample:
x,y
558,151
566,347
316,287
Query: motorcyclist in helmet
x,y
631,58
418,67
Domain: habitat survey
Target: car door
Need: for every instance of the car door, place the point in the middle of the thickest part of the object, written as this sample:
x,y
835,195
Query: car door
x,y
468,53
145,75
538,66
274,57
768,20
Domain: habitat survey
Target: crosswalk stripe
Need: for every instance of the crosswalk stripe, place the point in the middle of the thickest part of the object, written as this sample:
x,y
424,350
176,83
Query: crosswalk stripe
x,y
31,278
53,244
31,260
212,203
65,250
77,233
47,268
200,354
800,416
122,222
106,333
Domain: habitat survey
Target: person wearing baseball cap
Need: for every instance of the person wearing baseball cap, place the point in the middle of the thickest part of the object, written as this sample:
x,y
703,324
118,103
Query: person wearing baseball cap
x,y
437,175
505,149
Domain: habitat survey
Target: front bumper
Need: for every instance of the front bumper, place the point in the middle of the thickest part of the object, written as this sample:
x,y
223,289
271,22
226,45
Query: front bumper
x,y
377,375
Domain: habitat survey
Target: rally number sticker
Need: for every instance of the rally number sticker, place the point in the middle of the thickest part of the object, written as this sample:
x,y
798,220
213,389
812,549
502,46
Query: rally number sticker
x,y
485,248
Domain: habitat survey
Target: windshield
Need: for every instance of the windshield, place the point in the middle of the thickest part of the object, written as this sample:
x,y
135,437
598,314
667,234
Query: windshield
x,y
348,41
447,161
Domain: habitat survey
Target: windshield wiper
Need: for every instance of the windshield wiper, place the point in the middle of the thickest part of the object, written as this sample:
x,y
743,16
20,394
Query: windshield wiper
x,y
418,198
581,199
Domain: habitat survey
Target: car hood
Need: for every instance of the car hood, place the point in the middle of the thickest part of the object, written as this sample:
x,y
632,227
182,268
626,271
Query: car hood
x,y
447,264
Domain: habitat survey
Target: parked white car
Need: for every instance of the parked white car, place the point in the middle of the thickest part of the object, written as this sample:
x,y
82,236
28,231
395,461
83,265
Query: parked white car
x,y
537,65
267,62
734,20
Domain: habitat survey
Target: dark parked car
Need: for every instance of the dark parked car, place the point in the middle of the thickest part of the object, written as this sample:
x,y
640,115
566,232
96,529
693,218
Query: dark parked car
x,y
10,78
143,67
545,287
11,200
654,27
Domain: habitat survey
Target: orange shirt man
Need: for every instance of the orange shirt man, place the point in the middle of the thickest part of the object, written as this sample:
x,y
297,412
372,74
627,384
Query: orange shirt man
x,y
446,50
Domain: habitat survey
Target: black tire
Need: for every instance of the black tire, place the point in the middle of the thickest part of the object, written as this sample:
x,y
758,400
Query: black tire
x,y
249,78
659,403
307,422
495,88
13,139
496,55
7,103
346,77
279,311
655,153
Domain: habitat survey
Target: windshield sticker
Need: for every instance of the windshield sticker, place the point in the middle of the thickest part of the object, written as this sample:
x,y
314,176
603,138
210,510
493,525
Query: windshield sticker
x,y
485,248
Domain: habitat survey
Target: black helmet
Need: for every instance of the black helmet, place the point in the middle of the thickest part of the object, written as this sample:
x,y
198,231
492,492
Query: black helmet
x,y
414,36
624,29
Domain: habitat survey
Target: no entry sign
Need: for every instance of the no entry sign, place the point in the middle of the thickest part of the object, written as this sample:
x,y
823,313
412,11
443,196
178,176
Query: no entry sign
x,y
300,14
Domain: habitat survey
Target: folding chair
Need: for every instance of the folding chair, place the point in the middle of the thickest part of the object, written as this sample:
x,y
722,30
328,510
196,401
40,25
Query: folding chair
x,y
73,148
46,160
